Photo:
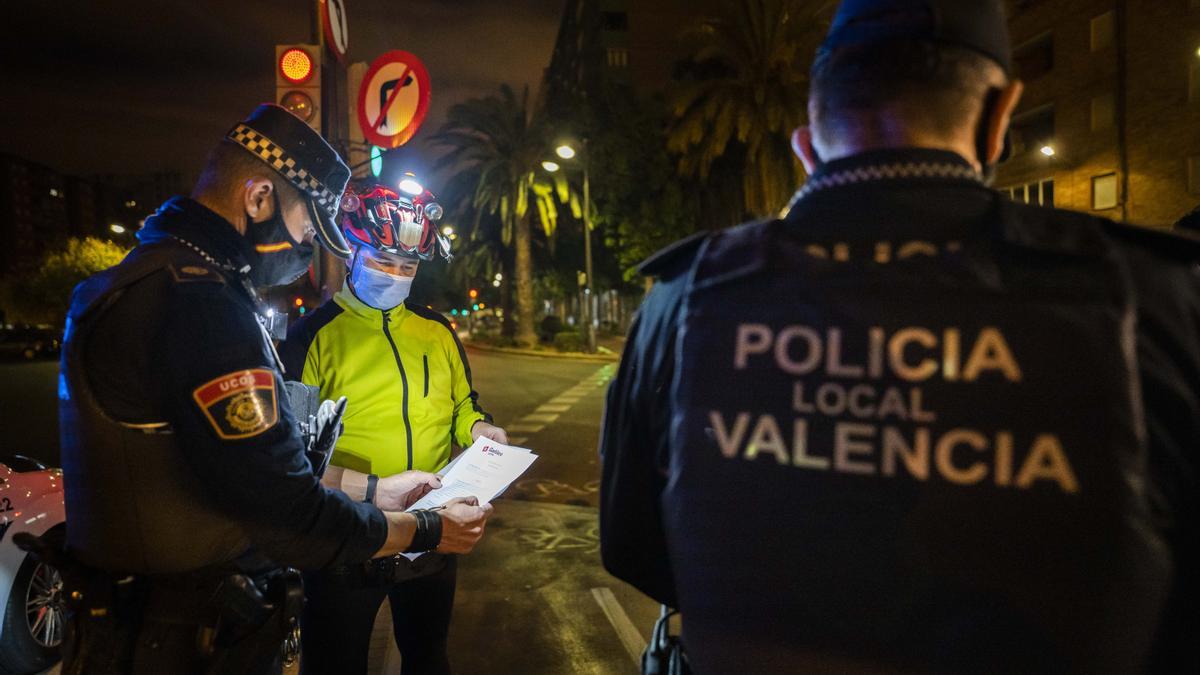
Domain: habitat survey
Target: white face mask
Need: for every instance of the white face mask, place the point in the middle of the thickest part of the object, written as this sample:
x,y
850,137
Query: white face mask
x,y
377,288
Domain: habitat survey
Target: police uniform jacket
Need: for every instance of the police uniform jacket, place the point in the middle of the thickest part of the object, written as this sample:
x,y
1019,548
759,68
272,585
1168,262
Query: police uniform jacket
x,y
913,425
179,450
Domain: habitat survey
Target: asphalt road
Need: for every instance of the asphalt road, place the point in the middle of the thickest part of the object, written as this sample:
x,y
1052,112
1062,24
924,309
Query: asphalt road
x,y
533,597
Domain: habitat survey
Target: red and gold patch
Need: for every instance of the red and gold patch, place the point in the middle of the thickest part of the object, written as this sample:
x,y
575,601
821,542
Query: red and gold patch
x,y
240,404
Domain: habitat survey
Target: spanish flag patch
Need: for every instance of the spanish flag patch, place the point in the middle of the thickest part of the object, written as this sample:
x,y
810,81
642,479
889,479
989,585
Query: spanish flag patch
x,y
240,404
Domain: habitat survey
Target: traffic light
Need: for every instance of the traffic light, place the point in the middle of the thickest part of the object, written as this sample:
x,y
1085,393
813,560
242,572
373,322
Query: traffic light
x,y
298,81
473,293
299,301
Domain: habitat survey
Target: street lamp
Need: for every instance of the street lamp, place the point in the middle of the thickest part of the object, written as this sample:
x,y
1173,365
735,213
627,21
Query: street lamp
x,y
117,228
1048,150
567,151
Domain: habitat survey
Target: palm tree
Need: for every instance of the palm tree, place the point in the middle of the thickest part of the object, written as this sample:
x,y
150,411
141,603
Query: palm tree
x,y
746,97
501,142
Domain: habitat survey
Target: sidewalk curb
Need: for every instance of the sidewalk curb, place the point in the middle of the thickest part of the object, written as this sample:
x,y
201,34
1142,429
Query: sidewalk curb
x,y
598,358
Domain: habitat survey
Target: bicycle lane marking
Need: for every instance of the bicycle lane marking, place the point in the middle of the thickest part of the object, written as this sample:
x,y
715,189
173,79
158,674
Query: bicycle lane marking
x,y
548,412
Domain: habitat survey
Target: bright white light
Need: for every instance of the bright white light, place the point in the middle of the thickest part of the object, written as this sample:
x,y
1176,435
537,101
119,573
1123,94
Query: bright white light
x,y
1047,151
447,230
499,276
496,283
270,312
117,228
550,166
412,187
565,151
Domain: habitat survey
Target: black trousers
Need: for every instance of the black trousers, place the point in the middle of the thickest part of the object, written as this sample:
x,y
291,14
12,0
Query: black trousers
x,y
337,621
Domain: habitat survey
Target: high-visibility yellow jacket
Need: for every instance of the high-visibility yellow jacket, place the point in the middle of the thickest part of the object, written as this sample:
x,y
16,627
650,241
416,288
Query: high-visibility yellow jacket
x,y
405,375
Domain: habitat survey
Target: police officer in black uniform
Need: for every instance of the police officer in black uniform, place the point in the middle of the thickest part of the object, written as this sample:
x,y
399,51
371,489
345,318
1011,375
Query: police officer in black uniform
x,y
187,486
913,425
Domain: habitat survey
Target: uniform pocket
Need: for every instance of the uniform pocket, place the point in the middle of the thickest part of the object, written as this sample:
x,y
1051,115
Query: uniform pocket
x,y
425,361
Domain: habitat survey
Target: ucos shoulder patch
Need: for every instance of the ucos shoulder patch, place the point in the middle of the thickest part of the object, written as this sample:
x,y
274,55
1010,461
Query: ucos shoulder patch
x,y
240,404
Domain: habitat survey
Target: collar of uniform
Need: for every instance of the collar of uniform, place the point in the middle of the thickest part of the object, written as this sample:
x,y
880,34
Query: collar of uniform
x,y
903,164
350,302
197,224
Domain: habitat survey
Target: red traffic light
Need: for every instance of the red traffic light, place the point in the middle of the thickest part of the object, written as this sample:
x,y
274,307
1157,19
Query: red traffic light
x,y
295,65
473,293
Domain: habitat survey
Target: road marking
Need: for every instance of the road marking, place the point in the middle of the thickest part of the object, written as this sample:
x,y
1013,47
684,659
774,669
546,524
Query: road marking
x,y
566,400
517,440
539,418
526,428
631,638
551,408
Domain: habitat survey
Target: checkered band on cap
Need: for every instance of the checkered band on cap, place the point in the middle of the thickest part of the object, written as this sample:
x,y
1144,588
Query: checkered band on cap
x,y
287,166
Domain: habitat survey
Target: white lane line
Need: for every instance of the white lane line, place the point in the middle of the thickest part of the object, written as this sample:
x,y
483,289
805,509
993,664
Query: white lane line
x,y
551,408
526,428
631,638
565,400
517,440
548,419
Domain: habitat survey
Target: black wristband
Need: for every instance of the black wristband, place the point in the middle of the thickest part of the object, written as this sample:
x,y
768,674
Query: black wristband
x,y
372,483
429,532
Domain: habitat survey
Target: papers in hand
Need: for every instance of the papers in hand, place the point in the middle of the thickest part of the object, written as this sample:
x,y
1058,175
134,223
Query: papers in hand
x,y
484,470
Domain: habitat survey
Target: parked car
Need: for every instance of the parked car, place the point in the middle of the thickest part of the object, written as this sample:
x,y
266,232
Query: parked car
x,y
29,342
31,629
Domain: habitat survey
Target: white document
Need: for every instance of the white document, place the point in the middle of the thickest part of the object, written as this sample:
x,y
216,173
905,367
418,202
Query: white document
x,y
484,471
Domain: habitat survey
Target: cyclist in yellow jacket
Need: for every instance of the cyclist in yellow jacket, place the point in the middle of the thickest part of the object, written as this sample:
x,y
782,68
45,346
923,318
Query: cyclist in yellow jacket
x,y
406,376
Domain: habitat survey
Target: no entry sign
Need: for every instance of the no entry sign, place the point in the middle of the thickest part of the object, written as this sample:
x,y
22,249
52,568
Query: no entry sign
x,y
337,36
393,99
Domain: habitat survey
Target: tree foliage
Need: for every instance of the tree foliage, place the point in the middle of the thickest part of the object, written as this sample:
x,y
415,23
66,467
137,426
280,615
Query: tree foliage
x,y
744,97
43,295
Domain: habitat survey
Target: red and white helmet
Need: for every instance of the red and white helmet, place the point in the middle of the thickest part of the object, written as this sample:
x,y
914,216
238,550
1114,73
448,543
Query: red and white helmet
x,y
403,223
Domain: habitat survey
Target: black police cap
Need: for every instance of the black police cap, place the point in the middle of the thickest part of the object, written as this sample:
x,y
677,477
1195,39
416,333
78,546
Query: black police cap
x,y
299,154
978,25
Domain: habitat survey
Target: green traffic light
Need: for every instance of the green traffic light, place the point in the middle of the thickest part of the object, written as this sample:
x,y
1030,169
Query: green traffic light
x,y
376,160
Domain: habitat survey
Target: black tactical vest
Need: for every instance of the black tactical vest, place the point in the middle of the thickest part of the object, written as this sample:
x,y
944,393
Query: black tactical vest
x,y
912,452
131,504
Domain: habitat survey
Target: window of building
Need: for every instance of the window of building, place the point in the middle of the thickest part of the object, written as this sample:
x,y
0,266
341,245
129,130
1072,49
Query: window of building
x,y
1104,191
618,57
1103,27
1035,57
1103,111
614,21
1039,192
1194,174
1032,130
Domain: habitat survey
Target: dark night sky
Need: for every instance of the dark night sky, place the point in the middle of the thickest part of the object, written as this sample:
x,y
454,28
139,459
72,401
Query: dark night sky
x,y
134,86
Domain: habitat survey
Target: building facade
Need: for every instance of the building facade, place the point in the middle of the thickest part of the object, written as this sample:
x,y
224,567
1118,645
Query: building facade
x,y
1110,120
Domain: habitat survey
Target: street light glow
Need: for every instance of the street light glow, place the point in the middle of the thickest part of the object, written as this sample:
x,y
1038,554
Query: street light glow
x,y
1047,150
447,230
550,166
496,283
117,228
565,151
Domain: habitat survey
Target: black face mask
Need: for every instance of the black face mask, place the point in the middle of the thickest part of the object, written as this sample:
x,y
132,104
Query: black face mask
x,y
281,259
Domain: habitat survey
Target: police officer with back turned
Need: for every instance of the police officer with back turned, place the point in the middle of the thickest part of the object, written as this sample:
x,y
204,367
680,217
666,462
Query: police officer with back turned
x,y
187,486
913,425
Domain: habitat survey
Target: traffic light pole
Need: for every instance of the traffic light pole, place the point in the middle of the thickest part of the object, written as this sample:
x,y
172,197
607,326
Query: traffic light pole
x,y
589,323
